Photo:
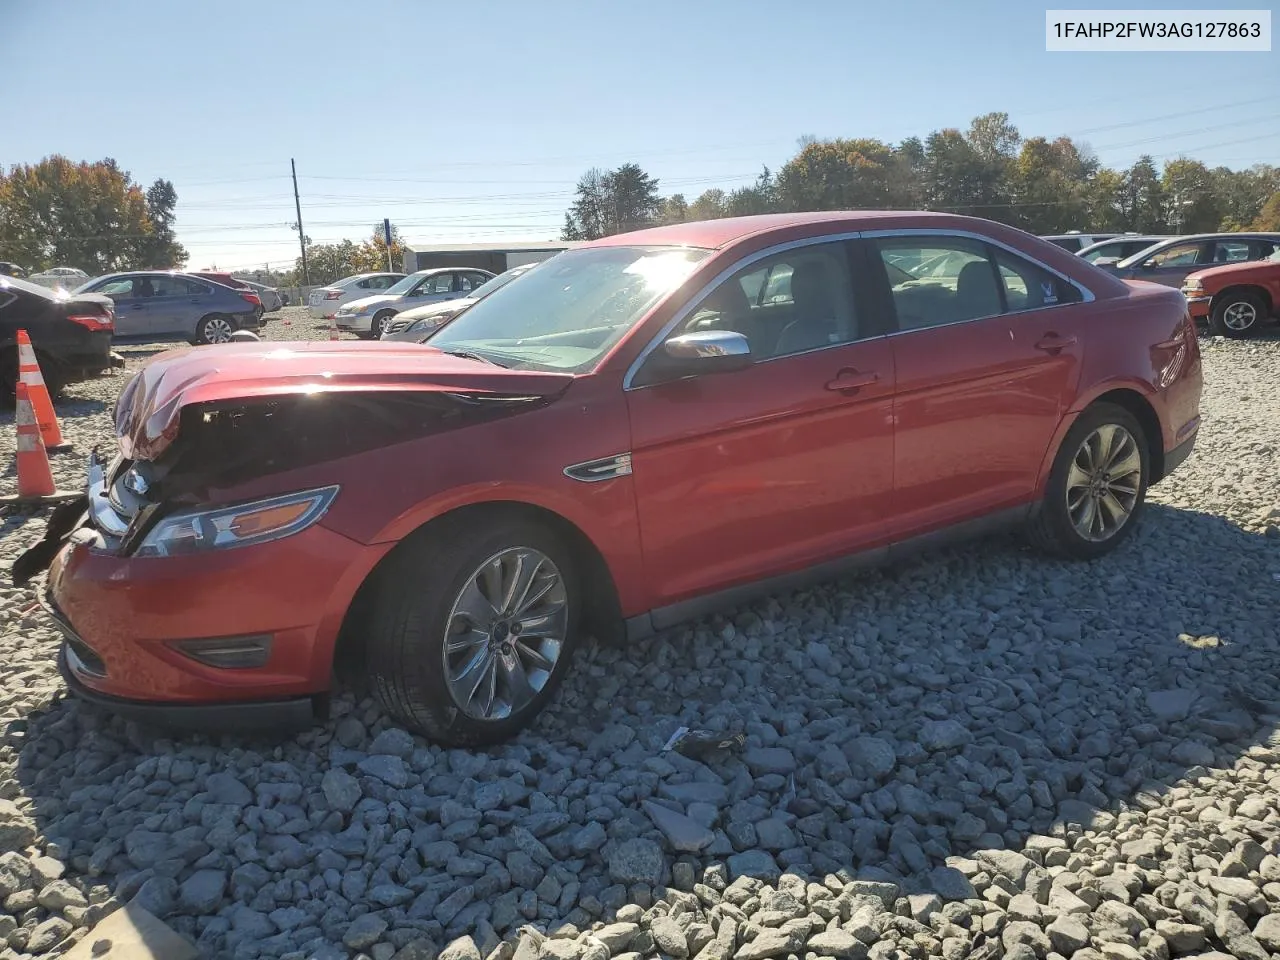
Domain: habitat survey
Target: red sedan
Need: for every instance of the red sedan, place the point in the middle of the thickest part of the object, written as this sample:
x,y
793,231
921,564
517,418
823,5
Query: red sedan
x,y
641,430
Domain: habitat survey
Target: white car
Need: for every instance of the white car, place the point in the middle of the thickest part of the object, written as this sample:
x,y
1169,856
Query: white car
x,y
325,301
367,316
60,278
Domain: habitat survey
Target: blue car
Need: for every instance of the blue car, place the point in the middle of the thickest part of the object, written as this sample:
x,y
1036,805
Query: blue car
x,y
154,306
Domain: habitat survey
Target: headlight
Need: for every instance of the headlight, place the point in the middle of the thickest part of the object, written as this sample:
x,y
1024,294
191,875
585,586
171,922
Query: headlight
x,y
361,311
425,325
1192,284
261,521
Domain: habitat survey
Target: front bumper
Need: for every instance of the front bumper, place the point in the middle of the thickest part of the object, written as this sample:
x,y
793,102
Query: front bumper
x,y
123,619
1198,305
351,321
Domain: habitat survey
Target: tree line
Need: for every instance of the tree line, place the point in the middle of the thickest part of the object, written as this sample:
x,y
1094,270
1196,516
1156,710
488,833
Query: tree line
x,y
87,215
989,170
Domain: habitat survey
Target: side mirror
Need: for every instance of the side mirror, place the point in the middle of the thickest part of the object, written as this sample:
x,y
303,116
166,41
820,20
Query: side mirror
x,y
707,351
1149,264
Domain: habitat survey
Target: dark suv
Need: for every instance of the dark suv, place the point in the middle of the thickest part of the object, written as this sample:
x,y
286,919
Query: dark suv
x,y
71,335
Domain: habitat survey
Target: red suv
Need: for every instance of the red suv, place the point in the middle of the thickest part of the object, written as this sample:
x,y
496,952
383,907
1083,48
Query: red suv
x,y
641,430
1237,299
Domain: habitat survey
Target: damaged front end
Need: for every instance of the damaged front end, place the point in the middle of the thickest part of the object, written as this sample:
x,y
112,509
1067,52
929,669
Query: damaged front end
x,y
176,501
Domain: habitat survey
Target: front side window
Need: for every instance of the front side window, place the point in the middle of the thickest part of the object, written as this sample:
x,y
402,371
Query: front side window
x,y
119,287
405,285
1178,255
567,312
803,300
439,283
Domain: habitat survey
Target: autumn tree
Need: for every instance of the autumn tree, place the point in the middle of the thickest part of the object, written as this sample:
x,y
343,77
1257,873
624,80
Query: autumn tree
x,y
1269,217
327,262
371,256
844,175
1191,205
88,215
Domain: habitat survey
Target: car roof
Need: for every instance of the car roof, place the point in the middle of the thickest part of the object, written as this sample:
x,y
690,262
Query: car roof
x,y
715,234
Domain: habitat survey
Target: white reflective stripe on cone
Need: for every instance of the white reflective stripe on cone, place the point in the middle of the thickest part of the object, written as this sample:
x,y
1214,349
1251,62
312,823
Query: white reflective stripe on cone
x,y
27,443
26,416
32,378
26,354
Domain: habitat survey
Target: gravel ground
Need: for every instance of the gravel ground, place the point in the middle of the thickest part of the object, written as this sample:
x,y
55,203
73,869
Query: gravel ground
x,y
982,753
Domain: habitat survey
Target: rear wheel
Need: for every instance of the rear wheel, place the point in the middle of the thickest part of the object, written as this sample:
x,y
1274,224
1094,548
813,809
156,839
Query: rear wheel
x,y
1237,314
1097,488
215,328
473,627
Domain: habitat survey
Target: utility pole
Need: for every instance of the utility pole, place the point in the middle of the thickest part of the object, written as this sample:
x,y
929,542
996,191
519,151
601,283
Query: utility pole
x,y
302,238
386,232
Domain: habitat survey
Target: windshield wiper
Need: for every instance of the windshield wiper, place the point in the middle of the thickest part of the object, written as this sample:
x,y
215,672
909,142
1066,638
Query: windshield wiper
x,y
468,355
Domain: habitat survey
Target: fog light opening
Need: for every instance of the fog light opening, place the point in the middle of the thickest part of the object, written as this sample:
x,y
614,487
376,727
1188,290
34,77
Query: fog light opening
x,y
229,653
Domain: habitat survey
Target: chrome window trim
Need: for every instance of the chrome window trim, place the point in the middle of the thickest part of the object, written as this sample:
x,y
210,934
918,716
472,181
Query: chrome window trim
x,y
696,300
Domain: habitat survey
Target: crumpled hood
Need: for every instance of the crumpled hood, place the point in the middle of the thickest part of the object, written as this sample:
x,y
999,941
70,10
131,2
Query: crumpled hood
x,y
351,306
148,412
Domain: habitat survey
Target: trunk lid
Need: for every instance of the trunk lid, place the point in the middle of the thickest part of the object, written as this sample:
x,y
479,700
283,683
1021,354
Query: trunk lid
x,y
148,412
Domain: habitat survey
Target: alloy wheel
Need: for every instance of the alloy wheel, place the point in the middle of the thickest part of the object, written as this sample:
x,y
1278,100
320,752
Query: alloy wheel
x,y
1240,315
505,633
217,330
1104,482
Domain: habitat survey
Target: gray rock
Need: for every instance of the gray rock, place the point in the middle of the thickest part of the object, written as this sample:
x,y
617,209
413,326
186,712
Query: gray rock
x,y
766,760
364,931
1171,705
950,884
589,839
1267,932
1192,753
227,788
202,892
944,735
684,835
59,895
1182,937
158,895
341,790
349,732
836,943
754,863
464,948
48,935
389,769
1007,863
46,870
1067,935
617,936
669,937
873,756
768,943
17,832
638,861
393,742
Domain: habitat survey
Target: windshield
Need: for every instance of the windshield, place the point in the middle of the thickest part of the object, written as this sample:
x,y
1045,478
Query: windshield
x,y
405,285
569,310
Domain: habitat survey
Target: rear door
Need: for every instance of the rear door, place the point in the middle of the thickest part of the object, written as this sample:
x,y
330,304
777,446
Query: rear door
x,y
987,363
437,287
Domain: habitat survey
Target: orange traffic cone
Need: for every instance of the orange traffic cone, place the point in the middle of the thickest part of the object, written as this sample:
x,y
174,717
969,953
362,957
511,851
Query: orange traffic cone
x,y
35,479
333,329
29,373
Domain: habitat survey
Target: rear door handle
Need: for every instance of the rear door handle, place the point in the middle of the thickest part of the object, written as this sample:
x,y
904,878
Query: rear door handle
x,y
1052,342
849,380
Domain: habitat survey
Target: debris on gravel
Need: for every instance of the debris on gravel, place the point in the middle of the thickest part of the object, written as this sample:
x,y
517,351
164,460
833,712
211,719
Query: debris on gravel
x,y
979,753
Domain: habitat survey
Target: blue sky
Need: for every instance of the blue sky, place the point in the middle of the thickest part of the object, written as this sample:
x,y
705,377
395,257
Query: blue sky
x,y
468,122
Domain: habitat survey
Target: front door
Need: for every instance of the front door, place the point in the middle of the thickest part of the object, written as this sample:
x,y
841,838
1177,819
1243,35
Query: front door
x,y
789,462
986,363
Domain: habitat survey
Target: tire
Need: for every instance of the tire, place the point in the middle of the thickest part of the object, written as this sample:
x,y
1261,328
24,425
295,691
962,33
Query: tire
x,y
1054,528
215,328
376,325
1237,314
405,656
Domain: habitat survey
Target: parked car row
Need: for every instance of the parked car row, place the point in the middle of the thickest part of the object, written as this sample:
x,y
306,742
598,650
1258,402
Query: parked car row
x,y
156,305
367,316
1231,279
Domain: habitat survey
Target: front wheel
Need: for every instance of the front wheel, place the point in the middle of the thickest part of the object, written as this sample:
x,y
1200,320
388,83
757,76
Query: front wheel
x,y
1237,314
378,324
1097,487
472,628
215,328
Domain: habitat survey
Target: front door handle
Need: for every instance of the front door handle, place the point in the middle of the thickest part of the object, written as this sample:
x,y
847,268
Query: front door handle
x,y
849,380
1053,342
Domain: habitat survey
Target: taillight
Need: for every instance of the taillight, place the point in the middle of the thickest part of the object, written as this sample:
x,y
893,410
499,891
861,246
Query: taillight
x,y
96,322
252,298
332,294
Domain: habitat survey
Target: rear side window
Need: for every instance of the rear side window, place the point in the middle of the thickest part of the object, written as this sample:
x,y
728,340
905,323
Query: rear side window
x,y
440,283
1233,251
1031,287
942,280
1067,243
195,288
1178,255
